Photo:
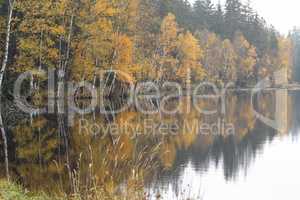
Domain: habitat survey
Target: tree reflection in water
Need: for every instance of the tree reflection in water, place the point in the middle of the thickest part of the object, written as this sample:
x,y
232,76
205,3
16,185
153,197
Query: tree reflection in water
x,y
46,154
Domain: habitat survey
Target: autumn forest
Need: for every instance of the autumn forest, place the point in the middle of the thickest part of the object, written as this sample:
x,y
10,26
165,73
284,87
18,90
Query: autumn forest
x,y
150,40
61,152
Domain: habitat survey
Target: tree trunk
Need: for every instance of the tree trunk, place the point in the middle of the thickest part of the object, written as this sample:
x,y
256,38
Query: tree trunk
x,y
62,72
3,68
69,43
3,134
7,42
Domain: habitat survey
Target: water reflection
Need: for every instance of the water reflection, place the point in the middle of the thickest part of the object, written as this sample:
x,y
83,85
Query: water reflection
x,y
45,153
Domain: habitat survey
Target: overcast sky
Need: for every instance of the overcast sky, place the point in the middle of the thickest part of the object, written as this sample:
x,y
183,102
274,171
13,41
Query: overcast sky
x,y
283,14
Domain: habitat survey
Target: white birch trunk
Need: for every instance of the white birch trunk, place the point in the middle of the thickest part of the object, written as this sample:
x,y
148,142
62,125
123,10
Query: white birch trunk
x,y
7,41
5,146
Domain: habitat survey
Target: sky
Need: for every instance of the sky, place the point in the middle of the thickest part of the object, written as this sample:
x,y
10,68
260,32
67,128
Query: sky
x,y
284,15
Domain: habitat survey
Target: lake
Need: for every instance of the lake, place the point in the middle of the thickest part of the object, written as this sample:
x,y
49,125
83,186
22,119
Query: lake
x,y
244,148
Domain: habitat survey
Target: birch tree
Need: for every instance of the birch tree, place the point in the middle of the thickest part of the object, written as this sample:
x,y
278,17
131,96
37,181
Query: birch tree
x,y
3,68
7,41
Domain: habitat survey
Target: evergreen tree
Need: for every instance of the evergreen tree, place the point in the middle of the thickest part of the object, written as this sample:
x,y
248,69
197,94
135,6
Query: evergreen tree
x,y
218,23
204,11
233,17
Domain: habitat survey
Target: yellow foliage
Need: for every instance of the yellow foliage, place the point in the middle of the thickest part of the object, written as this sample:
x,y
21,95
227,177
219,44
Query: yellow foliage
x,y
124,51
169,31
247,57
229,59
190,54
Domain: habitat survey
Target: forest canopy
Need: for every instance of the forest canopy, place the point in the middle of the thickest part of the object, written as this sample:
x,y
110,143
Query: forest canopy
x,y
149,39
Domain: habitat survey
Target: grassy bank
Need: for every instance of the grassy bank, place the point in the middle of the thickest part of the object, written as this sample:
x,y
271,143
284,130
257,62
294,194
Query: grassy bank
x,y
11,191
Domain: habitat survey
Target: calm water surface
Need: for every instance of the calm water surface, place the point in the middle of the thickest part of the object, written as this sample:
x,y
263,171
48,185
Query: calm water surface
x,y
255,161
263,164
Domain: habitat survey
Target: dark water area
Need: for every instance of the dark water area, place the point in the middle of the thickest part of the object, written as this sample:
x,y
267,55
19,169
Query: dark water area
x,y
234,153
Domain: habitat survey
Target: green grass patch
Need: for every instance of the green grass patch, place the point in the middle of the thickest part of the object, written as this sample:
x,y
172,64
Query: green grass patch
x,y
11,191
